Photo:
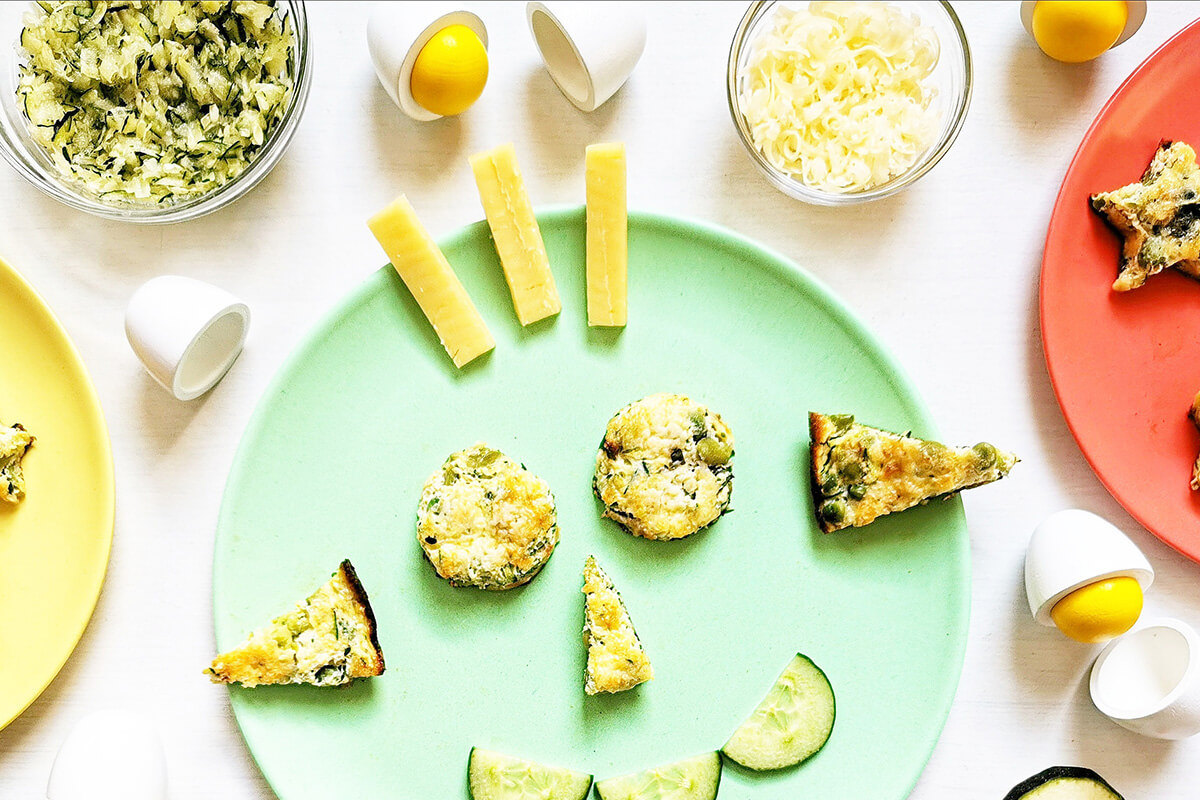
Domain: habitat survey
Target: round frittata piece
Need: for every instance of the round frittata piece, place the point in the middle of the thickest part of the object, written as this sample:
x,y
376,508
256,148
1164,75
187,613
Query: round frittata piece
x,y
486,521
663,470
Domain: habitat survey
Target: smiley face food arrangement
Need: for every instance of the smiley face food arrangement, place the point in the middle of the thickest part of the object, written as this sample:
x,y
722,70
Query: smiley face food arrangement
x,y
663,472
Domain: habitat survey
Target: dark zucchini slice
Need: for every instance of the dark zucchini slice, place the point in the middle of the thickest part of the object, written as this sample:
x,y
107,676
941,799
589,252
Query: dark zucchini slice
x,y
1064,783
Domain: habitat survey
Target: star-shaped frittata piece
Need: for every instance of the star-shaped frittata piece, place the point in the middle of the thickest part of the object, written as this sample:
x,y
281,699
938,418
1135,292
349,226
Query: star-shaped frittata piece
x,y
1159,216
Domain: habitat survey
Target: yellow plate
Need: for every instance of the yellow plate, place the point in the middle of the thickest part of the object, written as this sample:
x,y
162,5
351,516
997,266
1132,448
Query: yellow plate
x,y
53,545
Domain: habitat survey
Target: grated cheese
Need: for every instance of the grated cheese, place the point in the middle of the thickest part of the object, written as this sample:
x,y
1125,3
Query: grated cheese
x,y
835,94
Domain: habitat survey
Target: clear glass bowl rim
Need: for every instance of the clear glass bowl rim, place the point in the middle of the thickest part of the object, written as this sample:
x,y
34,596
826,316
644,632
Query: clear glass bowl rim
x,y
268,155
793,186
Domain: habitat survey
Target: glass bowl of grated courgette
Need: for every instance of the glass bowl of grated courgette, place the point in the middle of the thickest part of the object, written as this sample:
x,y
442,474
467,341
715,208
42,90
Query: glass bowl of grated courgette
x,y
151,112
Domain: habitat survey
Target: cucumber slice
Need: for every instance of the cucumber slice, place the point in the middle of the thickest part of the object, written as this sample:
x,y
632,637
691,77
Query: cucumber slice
x,y
691,779
1064,783
792,722
493,776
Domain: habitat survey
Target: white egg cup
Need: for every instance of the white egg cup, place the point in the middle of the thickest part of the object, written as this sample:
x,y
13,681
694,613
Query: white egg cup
x,y
1137,15
395,35
1148,681
1070,549
109,755
187,333
589,48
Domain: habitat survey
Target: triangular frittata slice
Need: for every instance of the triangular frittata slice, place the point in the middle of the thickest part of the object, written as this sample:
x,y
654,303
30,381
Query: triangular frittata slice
x,y
860,473
327,640
615,658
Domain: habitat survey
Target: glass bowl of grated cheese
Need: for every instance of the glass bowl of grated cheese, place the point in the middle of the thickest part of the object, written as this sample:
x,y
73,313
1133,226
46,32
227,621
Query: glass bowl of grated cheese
x,y
151,112
844,102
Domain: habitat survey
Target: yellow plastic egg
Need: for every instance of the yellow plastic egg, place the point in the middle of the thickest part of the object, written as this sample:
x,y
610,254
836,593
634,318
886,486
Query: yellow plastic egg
x,y
1085,576
1078,30
1099,611
450,72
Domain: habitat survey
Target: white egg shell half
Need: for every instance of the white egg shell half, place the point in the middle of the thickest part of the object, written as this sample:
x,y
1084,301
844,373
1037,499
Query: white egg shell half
x,y
109,755
396,32
1136,16
1073,548
1148,681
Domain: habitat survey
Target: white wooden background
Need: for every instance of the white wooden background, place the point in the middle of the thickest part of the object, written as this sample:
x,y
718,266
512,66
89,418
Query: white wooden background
x,y
945,273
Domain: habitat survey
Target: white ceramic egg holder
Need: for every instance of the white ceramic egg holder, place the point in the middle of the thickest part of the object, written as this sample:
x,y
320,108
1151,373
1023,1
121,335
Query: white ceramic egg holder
x,y
187,333
110,755
589,48
1146,680
1137,15
396,35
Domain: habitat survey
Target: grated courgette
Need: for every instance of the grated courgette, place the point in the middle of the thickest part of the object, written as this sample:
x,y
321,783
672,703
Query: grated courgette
x,y
154,102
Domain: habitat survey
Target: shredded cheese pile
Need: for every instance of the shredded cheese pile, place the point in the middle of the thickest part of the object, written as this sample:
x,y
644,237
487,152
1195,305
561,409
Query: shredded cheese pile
x,y
835,94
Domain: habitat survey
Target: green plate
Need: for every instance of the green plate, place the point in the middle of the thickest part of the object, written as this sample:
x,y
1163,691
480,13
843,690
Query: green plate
x,y
332,464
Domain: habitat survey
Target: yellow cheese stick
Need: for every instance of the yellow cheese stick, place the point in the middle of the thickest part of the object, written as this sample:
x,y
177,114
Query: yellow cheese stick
x,y
515,233
607,254
429,277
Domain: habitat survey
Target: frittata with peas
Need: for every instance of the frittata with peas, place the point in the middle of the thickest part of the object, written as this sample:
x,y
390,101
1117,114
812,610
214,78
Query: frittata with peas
x,y
860,473
664,468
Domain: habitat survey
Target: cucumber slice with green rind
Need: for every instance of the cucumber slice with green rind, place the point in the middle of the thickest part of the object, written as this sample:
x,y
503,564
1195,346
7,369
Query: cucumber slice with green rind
x,y
1064,783
494,776
694,778
792,722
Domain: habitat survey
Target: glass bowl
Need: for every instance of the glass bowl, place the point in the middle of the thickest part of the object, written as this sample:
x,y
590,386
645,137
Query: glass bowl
x,y
28,158
952,78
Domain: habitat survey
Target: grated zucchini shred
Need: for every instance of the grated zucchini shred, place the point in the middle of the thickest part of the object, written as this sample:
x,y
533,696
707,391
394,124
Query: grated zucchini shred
x,y
154,102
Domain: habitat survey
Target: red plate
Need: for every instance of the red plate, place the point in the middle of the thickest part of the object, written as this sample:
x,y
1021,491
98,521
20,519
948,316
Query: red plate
x,y
1125,366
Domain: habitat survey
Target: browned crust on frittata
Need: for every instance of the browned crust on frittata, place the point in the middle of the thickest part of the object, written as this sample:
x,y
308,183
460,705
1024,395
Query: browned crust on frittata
x,y
1194,416
350,576
819,428
860,472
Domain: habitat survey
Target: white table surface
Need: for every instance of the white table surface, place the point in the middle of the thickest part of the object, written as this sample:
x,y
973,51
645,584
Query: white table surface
x,y
945,273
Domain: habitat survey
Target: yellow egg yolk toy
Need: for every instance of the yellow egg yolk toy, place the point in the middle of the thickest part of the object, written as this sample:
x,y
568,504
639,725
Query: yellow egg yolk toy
x,y
1078,30
1099,611
450,72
